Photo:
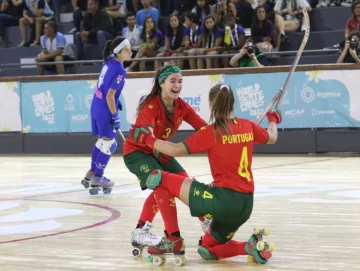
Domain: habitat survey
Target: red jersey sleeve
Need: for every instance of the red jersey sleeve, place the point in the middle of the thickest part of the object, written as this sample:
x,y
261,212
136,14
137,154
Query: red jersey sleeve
x,y
192,118
148,115
261,136
201,141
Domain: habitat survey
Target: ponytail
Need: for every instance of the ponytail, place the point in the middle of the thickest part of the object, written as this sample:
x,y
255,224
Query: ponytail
x,y
154,91
107,50
222,100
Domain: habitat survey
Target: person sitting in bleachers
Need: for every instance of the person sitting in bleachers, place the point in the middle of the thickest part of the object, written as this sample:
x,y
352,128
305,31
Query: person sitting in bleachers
x,y
220,9
98,28
54,48
202,9
80,7
245,11
10,13
234,38
194,30
147,11
351,52
132,32
262,30
36,12
113,8
211,39
249,56
175,39
151,40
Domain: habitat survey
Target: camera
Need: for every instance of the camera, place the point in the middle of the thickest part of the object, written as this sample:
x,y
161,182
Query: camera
x,y
354,44
250,49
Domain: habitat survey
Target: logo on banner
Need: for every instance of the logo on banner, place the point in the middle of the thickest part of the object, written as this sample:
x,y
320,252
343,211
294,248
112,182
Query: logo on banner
x,y
79,117
251,98
69,106
44,106
294,112
88,100
194,102
316,112
308,95
325,95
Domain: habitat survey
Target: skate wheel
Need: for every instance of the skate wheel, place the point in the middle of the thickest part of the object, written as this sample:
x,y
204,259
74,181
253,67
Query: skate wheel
x,y
136,252
93,191
107,190
261,231
260,246
179,260
158,260
271,247
86,185
251,259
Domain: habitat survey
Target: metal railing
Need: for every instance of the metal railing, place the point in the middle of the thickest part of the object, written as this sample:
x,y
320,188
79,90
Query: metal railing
x,y
77,62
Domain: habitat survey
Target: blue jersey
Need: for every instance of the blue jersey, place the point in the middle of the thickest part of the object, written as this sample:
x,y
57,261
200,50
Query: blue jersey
x,y
112,75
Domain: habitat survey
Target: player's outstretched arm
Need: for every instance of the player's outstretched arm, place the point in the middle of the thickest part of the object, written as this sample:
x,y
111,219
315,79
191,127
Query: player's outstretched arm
x,y
273,133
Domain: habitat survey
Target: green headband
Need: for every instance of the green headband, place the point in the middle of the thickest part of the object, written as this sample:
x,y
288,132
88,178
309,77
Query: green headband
x,y
167,71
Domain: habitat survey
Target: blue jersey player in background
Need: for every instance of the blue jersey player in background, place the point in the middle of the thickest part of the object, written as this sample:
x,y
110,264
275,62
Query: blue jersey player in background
x,y
105,120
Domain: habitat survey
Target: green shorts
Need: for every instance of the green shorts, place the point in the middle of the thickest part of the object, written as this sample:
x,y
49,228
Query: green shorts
x,y
228,209
142,164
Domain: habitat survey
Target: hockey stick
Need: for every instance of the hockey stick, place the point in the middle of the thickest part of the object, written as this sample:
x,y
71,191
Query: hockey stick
x,y
121,135
279,96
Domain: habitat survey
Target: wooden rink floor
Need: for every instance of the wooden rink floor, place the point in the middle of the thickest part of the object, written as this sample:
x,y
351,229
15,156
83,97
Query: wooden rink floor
x,y
48,221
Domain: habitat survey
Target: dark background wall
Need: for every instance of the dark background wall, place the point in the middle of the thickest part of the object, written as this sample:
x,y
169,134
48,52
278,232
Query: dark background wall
x,y
289,141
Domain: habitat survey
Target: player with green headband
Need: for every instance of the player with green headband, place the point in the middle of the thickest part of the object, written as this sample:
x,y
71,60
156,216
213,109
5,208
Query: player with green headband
x,y
162,111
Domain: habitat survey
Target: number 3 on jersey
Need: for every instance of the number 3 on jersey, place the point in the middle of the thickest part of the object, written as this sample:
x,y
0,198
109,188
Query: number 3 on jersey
x,y
167,133
243,170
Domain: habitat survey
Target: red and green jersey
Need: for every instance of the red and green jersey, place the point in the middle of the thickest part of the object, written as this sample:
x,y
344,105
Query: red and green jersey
x,y
230,156
164,124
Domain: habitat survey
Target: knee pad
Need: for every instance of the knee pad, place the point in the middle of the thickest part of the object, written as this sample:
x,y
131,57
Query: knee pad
x,y
108,146
99,143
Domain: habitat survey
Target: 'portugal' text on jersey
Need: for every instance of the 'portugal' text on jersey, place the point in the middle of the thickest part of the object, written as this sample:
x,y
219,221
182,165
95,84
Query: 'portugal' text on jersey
x,y
112,76
230,156
164,124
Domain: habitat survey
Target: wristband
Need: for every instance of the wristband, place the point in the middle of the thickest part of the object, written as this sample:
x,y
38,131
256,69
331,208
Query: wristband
x,y
114,116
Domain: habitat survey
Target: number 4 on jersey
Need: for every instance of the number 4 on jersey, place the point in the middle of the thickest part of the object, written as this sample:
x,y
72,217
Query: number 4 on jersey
x,y
244,165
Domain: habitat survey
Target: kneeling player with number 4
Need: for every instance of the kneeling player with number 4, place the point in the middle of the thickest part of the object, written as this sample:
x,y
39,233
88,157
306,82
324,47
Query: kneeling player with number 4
x,y
229,143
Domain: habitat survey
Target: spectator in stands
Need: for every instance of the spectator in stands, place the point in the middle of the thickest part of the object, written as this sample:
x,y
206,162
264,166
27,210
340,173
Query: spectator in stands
x,y
262,30
150,42
147,11
54,48
80,7
113,8
175,39
249,56
351,52
288,16
10,13
245,11
132,32
193,32
210,40
98,28
234,38
35,12
220,9
202,9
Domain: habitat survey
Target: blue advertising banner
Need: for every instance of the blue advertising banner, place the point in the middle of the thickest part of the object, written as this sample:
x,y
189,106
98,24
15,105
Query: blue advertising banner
x,y
314,99
59,106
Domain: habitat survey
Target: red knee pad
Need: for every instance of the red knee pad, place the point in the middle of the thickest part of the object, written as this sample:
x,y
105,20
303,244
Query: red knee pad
x,y
208,241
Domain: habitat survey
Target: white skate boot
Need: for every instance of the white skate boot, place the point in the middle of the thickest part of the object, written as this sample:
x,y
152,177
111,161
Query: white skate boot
x,y
98,183
205,224
143,237
86,181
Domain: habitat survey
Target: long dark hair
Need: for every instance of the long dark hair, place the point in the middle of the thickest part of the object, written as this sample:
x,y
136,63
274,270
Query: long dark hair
x,y
256,23
110,45
179,33
353,6
143,32
154,91
207,9
222,101
207,33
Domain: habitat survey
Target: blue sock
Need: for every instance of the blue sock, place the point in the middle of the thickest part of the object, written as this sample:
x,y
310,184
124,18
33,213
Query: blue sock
x,y
94,155
101,162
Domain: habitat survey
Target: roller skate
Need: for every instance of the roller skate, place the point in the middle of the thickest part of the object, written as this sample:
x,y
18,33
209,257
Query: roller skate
x,y
258,250
97,183
169,246
141,238
86,181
